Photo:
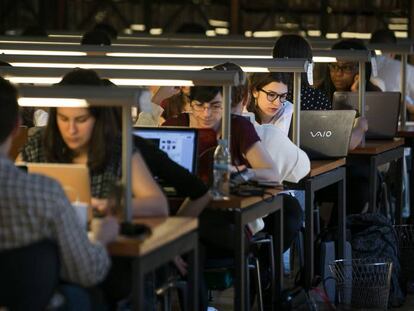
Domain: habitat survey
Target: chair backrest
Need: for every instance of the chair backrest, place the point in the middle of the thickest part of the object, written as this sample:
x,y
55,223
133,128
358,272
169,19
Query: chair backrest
x,y
18,142
28,276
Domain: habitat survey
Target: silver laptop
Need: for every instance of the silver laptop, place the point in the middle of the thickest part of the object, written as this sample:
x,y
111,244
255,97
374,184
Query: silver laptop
x,y
74,178
326,134
381,110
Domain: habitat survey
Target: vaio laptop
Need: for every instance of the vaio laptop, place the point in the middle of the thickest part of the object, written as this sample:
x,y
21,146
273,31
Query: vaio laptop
x,y
74,178
326,134
180,143
381,110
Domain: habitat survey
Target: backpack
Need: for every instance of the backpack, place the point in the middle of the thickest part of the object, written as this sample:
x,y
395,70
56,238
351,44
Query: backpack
x,y
373,236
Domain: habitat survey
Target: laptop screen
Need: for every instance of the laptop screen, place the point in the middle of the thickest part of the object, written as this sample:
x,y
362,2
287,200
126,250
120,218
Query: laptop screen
x,y
179,143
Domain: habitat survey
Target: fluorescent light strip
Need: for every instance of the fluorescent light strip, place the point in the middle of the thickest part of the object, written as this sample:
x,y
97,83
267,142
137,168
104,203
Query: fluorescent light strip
x,y
324,59
332,35
35,80
314,33
165,55
65,36
149,82
38,52
108,66
358,35
401,34
52,102
38,42
218,23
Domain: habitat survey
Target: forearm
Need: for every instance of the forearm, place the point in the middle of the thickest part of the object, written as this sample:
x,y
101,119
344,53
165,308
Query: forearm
x,y
150,207
357,136
193,208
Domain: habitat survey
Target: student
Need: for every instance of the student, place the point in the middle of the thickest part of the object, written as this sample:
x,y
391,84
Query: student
x,y
389,68
34,208
295,46
343,75
245,146
90,136
268,99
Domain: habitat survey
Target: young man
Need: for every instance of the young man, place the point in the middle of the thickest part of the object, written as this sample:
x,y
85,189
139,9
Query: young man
x,y
34,208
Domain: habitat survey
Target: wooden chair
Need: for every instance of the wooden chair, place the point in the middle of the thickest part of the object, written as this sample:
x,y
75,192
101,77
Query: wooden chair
x,y
18,142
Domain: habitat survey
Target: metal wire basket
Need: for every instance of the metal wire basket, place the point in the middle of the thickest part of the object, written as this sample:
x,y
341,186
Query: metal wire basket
x,y
362,283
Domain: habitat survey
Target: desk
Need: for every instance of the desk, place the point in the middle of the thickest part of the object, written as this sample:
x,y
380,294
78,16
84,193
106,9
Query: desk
x,y
244,211
323,173
374,154
170,237
408,134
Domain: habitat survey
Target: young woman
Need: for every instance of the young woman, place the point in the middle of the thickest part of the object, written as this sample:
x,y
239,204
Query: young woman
x,y
90,136
268,99
295,46
343,75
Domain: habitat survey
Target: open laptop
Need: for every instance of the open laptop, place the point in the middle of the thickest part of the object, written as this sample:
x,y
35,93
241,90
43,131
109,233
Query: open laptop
x,y
381,110
74,178
180,143
326,134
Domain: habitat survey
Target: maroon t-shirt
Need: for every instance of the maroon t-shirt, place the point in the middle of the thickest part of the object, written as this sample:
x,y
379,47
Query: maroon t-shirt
x,y
243,135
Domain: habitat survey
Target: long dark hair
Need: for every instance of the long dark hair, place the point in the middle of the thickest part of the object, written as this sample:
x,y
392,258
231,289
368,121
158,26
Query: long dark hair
x,y
258,81
104,133
293,46
351,44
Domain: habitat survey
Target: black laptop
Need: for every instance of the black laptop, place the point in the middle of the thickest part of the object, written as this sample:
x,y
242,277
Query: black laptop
x,y
326,134
382,110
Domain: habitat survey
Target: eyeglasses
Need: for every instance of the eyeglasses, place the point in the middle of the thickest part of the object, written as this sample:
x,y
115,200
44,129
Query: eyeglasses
x,y
272,96
349,68
199,107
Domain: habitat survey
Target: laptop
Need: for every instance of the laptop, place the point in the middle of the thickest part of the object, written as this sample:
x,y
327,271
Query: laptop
x,y
180,143
382,110
326,134
74,178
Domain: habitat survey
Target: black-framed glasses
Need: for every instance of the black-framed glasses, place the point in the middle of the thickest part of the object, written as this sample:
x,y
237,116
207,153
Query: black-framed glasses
x,y
272,96
199,107
347,68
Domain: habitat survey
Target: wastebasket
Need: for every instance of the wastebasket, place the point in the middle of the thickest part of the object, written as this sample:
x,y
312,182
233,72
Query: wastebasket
x,y
362,283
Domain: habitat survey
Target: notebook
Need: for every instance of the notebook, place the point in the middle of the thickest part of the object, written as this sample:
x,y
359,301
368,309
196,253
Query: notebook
x,y
180,143
381,110
74,178
326,134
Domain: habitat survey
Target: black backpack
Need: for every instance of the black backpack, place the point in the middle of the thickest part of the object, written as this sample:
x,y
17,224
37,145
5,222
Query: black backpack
x,y
373,236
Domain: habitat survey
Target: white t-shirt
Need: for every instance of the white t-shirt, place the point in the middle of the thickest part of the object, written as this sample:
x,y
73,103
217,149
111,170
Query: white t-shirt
x,y
389,70
291,162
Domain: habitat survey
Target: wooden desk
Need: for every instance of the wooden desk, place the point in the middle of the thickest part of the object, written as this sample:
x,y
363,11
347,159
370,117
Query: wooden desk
x,y
374,154
408,134
170,237
323,173
245,210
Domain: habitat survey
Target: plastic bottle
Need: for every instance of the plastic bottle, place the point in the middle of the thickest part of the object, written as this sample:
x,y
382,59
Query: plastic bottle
x,y
221,171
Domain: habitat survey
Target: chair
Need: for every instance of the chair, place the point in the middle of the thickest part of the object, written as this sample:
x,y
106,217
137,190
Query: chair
x,y
18,142
28,276
219,272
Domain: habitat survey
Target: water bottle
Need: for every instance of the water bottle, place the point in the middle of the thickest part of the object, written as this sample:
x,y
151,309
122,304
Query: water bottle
x,y
221,172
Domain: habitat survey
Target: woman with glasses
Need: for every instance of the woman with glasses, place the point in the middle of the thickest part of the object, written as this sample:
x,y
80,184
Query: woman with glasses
x,y
343,75
268,99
